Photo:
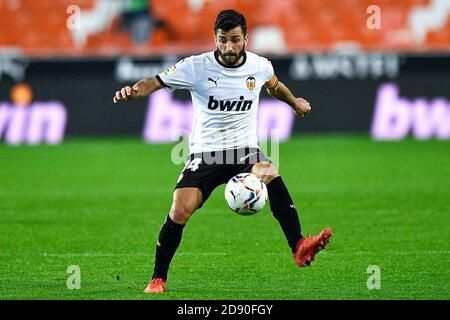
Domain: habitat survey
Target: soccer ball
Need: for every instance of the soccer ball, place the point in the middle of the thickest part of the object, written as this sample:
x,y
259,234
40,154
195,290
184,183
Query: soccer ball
x,y
246,194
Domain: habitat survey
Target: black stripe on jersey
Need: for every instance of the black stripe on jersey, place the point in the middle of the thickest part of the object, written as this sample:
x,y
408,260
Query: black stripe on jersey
x,y
160,81
216,55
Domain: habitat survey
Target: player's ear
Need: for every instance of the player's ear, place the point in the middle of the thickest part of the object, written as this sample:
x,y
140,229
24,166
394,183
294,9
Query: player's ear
x,y
246,39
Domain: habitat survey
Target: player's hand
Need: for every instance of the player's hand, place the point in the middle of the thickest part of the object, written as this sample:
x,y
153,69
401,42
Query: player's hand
x,y
302,107
126,93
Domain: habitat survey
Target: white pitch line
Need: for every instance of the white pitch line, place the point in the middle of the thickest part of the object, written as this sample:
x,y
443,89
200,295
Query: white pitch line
x,y
92,254
395,253
137,254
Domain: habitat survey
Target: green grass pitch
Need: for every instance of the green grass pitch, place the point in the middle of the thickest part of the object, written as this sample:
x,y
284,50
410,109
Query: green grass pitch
x,y
98,204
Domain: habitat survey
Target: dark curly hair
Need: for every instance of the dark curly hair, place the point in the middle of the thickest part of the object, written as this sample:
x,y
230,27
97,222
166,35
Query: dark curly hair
x,y
230,19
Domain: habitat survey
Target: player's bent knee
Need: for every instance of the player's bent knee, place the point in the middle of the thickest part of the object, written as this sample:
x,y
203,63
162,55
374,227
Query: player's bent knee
x,y
185,202
266,171
179,213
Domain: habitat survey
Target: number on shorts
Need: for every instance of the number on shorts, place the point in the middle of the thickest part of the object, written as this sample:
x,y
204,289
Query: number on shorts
x,y
193,164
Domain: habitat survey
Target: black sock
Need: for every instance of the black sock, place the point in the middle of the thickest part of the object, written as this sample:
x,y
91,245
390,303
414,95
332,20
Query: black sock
x,y
168,241
284,211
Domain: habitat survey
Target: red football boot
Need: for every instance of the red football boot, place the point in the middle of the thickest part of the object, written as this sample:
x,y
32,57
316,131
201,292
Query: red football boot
x,y
307,248
157,285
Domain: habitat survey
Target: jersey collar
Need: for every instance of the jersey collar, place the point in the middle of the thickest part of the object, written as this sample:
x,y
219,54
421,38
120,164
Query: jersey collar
x,y
216,55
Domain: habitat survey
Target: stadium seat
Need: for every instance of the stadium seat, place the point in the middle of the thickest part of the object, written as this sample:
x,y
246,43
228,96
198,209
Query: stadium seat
x,y
304,25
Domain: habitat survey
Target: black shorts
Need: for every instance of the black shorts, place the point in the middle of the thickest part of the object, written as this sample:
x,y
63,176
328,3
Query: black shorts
x,y
208,170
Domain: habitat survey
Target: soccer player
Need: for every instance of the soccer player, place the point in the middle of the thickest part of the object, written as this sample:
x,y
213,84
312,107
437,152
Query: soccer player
x,y
224,86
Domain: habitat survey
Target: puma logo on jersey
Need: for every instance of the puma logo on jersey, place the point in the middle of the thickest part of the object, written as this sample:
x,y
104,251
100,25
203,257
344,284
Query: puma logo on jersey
x,y
227,105
212,80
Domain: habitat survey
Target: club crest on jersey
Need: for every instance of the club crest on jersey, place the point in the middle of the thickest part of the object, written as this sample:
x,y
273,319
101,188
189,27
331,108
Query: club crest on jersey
x,y
251,82
170,70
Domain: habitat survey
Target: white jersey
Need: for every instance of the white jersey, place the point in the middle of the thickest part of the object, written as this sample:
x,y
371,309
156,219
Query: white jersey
x,y
225,99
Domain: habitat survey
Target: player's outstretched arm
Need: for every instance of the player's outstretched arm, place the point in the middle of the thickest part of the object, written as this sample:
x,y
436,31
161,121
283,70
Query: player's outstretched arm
x,y
281,92
141,88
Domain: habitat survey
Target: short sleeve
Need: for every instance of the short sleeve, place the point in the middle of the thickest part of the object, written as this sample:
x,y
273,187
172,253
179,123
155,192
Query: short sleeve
x,y
271,80
179,76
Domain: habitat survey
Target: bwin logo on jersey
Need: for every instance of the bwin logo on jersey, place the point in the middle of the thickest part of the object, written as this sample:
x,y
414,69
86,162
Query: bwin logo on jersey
x,y
227,105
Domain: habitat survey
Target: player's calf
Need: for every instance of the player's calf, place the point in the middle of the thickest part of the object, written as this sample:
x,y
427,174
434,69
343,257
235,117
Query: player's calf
x,y
283,209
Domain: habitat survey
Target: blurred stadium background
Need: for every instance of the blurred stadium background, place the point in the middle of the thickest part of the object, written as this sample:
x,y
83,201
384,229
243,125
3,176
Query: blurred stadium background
x,y
375,71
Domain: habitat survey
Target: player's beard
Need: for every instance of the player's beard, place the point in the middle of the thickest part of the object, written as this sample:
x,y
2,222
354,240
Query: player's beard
x,y
226,57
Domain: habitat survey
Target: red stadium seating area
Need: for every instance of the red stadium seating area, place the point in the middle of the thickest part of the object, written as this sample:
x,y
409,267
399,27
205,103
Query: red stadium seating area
x,y
39,27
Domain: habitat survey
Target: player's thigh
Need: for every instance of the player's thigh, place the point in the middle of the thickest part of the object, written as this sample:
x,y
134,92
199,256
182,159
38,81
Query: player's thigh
x,y
185,202
265,170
